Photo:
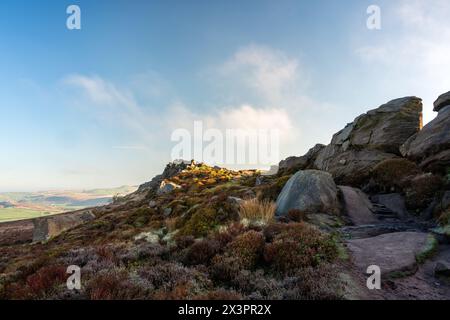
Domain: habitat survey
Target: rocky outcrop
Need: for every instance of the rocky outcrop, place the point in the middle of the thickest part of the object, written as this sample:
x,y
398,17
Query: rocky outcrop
x,y
430,147
357,206
45,228
293,164
351,167
171,169
372,137
310,191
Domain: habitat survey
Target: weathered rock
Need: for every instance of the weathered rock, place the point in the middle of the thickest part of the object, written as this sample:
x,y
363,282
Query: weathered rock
x,y
171,169
431,146
393,201
167,187
293,164
442,101
48,227
357,206
392,252
372,137
310,191
351,167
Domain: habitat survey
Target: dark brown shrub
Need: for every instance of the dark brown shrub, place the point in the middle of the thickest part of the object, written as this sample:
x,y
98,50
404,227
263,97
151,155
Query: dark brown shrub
x,y
219,294
114,285
296,215
393,173
202,252
421,190
242,253
299,246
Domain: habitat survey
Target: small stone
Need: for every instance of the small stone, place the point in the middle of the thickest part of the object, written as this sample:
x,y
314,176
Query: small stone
x,y
167,212
152,204
167,187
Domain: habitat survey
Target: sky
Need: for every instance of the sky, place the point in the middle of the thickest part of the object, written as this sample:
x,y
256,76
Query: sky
x,y
96,107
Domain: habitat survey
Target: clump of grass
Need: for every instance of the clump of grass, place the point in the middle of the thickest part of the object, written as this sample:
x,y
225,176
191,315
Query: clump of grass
x,y
257,211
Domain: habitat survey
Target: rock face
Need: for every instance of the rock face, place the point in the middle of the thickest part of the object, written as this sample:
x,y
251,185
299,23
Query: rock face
x,y
306,161
45,228
351,167
369,139
170,170
392,252
431,146
442,101
310,191
357,206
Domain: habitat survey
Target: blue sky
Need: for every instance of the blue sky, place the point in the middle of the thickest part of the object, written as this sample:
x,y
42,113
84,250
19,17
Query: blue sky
x,y
95,107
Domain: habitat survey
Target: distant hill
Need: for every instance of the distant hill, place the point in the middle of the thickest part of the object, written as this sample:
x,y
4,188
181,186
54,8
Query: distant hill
x,y
24,205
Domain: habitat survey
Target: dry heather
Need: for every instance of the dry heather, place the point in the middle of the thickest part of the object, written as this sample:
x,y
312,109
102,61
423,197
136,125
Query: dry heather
x,y
187,244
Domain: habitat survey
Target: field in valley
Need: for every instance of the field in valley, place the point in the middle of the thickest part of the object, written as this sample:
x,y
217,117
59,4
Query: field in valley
x,y
27,205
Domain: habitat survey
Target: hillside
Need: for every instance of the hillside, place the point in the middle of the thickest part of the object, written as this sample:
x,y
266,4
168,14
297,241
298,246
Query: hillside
x,y
378,194
27,205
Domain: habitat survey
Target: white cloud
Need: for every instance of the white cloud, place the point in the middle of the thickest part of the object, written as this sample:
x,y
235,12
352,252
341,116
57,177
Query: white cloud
x,y
269,72
414,48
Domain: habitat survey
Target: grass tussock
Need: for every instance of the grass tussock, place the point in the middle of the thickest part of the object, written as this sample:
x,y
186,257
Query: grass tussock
x,y
255,210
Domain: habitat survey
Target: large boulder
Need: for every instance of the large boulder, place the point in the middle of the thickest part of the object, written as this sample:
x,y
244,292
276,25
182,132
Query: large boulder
x,y
293,164
48,227
372,137
310,191
431,146
357,206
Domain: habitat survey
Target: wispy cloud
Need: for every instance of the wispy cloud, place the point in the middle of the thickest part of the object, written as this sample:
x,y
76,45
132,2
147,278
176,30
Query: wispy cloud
x,y
416,42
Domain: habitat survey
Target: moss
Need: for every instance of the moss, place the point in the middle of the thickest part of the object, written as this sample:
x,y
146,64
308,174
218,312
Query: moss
x,y
428,250
444,230
270,192
201,222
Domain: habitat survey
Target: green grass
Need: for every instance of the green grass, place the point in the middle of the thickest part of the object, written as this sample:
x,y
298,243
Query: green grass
x,y
12,214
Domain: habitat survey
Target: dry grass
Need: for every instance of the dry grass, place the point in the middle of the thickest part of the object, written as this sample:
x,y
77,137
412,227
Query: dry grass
x,y
255,210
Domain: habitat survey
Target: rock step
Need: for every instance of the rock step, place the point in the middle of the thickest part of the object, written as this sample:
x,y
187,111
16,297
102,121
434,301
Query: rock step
x,y
373,230
394,253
